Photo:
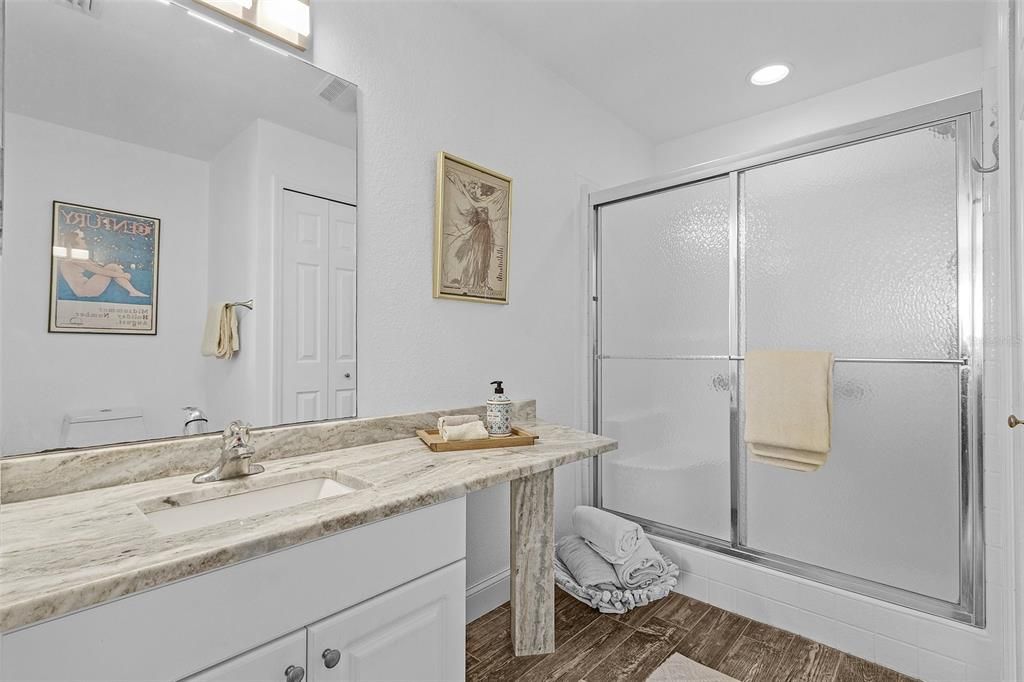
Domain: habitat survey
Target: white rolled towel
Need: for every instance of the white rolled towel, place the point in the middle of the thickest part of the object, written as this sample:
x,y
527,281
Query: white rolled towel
x,y
455,420
471,431
613,537
643,567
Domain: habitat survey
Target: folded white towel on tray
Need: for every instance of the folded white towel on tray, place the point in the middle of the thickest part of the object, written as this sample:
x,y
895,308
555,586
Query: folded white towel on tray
x,y
472,431
455,420
611,536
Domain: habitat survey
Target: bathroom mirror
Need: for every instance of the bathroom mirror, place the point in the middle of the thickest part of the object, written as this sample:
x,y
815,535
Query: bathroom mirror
x,y
160,161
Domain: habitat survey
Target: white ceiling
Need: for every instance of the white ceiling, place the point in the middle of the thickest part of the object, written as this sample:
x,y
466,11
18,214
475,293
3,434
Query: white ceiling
x,y
147,73
672,68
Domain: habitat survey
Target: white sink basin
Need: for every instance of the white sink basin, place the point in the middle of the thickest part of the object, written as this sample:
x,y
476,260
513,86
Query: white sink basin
x,y
235,507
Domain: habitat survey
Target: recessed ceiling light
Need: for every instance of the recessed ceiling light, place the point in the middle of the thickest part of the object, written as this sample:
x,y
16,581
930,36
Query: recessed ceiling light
x,y
768,75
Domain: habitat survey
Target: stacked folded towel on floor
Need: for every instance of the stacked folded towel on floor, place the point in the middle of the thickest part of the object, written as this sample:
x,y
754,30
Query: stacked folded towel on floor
x,y
610,564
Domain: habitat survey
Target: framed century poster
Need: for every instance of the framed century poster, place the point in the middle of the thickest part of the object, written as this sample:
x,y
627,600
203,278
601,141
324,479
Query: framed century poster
x,y
471,233
103,271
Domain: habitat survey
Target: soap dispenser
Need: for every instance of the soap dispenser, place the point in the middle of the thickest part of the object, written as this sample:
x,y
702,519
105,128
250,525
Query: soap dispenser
x,y
499,412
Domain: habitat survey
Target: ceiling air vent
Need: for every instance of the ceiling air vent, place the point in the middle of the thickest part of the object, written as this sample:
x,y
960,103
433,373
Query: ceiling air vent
x,y
336,93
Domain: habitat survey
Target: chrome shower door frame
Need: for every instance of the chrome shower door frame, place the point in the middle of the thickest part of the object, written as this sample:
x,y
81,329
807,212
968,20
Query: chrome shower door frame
x,y
965,111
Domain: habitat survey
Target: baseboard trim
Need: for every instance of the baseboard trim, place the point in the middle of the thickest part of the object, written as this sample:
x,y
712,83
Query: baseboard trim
x,y
487,594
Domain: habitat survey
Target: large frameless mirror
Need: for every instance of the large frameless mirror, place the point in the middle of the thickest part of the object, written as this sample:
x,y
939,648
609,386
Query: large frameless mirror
x,y
180,228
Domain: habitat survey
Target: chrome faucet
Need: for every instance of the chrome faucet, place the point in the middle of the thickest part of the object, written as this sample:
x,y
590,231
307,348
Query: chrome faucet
x,y
195,421
235,456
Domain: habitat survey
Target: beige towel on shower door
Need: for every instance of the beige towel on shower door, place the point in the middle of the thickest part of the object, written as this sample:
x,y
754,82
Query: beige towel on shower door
x,y
220,337
788,408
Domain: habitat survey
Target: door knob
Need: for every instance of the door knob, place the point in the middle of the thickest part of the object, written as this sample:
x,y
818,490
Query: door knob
x,y
331,657
1012,421
294,673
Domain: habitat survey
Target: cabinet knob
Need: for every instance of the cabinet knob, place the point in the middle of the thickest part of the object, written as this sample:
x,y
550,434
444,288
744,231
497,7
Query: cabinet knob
x,y
1013,422
294,673
348,375
331,657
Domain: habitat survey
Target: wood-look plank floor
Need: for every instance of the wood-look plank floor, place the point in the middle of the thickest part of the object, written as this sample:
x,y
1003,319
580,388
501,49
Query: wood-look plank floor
x,y
596,647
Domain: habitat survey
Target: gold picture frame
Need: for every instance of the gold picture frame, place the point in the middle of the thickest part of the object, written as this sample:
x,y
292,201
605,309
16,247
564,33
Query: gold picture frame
x,y
472,231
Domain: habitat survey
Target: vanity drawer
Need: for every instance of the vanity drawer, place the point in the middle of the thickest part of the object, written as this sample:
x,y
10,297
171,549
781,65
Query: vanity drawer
x,y
174,631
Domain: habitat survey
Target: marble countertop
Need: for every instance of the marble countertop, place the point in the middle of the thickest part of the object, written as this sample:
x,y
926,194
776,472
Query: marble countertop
x,y
67,552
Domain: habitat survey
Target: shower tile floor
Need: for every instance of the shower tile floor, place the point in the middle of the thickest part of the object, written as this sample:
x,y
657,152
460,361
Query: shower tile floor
x,y
591,646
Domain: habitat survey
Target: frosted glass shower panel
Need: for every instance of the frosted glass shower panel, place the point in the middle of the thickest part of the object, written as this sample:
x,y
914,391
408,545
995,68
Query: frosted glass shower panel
x,y
885,506
671,418
665,272
854,250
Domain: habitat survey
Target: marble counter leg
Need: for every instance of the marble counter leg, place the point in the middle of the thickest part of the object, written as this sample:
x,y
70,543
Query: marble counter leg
x,y
532,564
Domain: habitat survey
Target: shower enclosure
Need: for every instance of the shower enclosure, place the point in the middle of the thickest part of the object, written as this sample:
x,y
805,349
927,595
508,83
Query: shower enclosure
x,y
863,242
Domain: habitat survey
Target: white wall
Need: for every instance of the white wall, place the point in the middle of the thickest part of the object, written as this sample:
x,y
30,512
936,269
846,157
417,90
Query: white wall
x,y
246,179
431,78
928,82
231,384
44,374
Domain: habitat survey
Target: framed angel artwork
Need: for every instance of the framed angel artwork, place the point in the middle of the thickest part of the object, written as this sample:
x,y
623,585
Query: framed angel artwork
x,y
471,234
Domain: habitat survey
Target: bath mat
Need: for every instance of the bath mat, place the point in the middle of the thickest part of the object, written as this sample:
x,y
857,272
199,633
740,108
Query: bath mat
x,y
679,668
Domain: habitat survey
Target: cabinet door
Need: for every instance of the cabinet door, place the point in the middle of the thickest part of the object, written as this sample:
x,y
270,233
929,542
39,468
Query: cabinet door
x,y
414,632
267,663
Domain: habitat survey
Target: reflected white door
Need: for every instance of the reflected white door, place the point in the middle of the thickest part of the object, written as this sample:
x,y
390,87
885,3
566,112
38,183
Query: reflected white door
x,y
318,311
341,340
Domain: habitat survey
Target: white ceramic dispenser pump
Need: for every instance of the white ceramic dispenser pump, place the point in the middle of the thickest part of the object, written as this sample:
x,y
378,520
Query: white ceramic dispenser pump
x,y
499,413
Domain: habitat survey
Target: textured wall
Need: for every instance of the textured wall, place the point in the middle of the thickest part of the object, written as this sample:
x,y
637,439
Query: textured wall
x,y
431,78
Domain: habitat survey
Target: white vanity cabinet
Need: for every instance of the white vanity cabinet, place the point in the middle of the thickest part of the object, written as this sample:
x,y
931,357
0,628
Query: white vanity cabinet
x,y
405,634
389,596
411,633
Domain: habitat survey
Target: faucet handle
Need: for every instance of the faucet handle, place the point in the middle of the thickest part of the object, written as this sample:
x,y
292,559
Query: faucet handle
x,y
237,433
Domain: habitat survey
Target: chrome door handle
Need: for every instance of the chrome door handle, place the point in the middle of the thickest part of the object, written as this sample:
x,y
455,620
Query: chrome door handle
x,y
1012,421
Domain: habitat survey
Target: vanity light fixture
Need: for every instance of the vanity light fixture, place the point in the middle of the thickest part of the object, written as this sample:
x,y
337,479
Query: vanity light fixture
x,y
286,20
769,75
292,14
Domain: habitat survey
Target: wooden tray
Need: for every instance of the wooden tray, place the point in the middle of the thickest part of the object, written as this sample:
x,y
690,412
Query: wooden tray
x,y
432,439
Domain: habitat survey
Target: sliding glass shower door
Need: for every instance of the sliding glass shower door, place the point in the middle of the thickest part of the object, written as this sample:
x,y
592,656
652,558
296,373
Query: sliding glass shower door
x,y
863,248
854,251
665,273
